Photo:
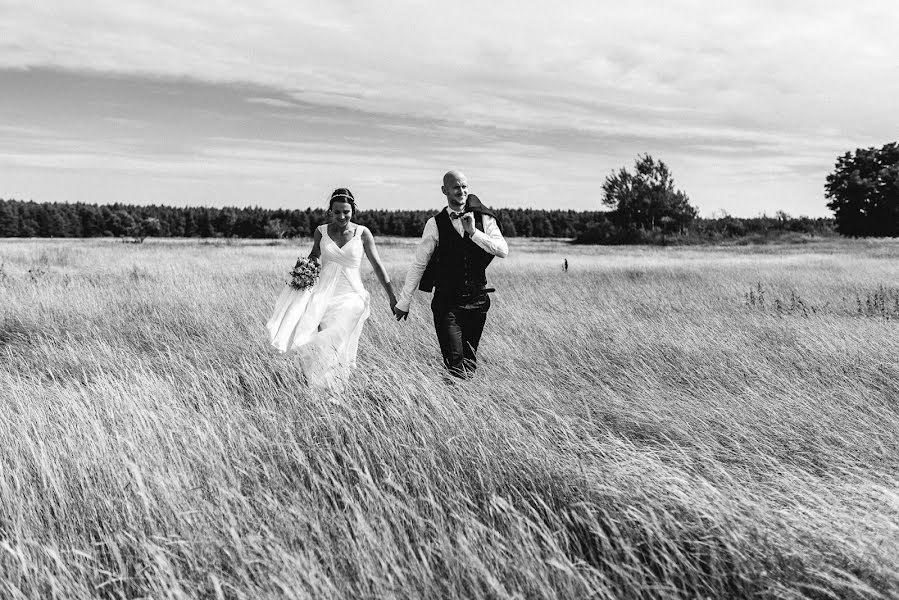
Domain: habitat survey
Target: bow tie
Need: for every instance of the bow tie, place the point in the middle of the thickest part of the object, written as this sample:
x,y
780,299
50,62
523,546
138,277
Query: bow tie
x,y
456,215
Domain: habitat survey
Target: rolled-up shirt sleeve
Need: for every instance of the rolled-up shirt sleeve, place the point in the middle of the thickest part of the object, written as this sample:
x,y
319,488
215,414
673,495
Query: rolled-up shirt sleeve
x,y
491,239
423,253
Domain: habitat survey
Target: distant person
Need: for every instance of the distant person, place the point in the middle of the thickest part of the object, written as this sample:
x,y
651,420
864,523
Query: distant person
x,y
323,322
452,257
565,265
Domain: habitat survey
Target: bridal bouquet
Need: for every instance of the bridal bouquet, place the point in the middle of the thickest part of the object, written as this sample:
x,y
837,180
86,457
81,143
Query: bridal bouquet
x,y
304,275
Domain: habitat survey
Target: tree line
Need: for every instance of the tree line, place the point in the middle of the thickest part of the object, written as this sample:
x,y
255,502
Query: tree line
x,y
34,219
53,219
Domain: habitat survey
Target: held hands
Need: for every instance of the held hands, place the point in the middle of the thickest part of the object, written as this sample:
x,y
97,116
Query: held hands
x,y
468,223
399,314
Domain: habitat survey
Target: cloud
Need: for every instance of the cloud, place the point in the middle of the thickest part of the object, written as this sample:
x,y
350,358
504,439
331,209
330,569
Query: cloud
x,y
275,102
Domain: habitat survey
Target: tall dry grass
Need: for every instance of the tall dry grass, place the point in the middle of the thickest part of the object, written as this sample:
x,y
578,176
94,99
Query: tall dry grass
x,y
652,423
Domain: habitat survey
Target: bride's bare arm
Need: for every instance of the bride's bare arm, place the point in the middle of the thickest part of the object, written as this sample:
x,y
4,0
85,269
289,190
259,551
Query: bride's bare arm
x,y
371,251
316,251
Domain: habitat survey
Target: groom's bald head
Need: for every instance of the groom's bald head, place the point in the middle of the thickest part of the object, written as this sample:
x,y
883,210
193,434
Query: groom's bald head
x,y
452,176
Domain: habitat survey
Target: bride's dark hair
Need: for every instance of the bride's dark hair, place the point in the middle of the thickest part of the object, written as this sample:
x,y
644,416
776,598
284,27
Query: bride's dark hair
x,y
342,195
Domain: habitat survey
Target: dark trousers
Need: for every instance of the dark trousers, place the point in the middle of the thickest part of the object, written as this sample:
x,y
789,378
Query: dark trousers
x,y
459,323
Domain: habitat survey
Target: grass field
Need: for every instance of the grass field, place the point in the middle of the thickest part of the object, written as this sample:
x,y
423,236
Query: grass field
x,y
672,423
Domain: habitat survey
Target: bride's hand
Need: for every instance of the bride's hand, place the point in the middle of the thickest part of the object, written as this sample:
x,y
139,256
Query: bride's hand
x,y
391,294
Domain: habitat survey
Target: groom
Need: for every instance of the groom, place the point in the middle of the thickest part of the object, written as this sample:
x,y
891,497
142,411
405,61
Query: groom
x,y
452,257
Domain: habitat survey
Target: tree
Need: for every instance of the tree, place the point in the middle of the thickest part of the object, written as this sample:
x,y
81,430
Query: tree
x,y
224,222
148,227
120,223
275,228
204,223
506,225
526,227
9,219
647,199
864,192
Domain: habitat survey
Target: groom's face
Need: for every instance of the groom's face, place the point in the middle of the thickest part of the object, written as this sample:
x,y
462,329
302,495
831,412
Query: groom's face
x,y
455,188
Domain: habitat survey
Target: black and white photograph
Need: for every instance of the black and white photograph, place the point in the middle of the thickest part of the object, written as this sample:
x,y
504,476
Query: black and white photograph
x,y
418,300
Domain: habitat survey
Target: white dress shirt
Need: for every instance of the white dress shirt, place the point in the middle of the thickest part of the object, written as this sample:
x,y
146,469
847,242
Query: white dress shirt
x,y
490,240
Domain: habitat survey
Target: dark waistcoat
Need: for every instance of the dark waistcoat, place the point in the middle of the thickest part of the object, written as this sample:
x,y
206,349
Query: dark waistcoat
x,y
458,265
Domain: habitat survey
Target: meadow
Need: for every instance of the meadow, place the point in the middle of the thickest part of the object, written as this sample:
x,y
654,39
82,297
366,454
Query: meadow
x,y
715,422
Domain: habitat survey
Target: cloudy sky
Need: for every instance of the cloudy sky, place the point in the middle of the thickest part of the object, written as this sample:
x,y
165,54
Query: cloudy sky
x,y
275,102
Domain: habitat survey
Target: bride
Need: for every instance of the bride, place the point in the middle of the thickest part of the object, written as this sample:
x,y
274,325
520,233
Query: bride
x,y
324,322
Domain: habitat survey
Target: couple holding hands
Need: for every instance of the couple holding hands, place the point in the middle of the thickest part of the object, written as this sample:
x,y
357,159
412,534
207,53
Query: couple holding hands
x,y
323,322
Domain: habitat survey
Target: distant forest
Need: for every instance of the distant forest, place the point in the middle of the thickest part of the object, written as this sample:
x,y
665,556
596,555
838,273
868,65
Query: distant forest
x,y
33,219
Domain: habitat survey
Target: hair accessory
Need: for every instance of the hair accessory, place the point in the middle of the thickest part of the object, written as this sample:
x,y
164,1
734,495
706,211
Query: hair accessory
x,y
346,195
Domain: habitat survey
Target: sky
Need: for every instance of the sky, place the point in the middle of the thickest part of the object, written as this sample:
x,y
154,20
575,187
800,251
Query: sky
x,y
275,103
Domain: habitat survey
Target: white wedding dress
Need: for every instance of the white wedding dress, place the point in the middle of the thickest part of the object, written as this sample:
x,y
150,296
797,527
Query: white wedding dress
x,y
323,323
